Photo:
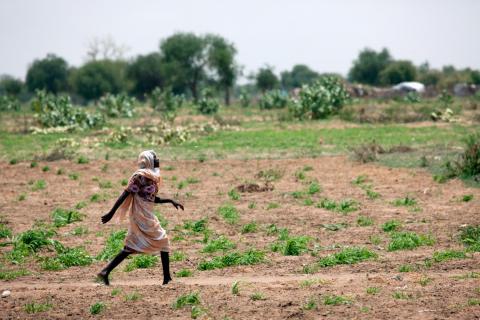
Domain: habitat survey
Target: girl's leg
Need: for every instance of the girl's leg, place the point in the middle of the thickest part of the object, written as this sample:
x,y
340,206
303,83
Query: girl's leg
x,y
115,262
166,267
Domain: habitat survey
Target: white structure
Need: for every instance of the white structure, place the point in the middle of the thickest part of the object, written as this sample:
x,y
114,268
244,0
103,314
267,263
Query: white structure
x,y
409,86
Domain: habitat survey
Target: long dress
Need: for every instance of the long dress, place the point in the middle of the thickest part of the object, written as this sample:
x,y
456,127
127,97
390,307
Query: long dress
x,y
145,234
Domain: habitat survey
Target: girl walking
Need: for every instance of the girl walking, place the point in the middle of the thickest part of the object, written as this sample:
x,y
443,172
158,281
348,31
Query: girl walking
x,y
145,235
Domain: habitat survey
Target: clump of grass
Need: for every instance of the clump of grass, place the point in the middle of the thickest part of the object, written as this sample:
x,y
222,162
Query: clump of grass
x,y
13,161
273,205
375,239
96,197
189,299
440,256
196,226
335,226
474,302
400,295
229,213
311,304
39,185
334,300
236,288
408,241
105,184
124,182
182,273
468,164
270,175
372,194
66,258
310,282
271,229
405,268
62,217
470,237
250,227
33,307
313,188
46,169
33,164
22,197
5,232
82,160
249,257
60,171
115,292
373,290
97,307
300,175
142,261
169,168
80,230
344,206
234,195
221,243
113,245
179,256
349,255
292,246
80,205
391,225
13,274
424,281
363,221
407,202
73,176
257,296
252,205
467,197
134,296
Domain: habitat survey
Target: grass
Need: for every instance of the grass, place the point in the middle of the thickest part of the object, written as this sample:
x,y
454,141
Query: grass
x,y
391,225
470,237
407,202
113,245
115,292
22,197
313,188
257,296
182,273
424,281
349,255
62,217
441,256
221,243
141,261
334,300
97,308
33,307
311,304
273,205
291,246
405,268
236,288
229,213
66,258
364,221
467,198
373,290
179,256
73,176
39,185
249,257
408,241
250,227
189,299
343,206
13,274
134,296
234,195
335,226
400,295
5,232
196,226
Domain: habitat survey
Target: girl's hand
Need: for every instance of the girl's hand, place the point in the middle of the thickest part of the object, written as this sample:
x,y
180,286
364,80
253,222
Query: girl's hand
x,y
177,205
107,217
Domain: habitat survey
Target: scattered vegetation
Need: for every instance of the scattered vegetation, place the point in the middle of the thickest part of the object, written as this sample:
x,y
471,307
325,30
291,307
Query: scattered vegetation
x,y
141,261
97,307
470,237
251,256
229,213
408,241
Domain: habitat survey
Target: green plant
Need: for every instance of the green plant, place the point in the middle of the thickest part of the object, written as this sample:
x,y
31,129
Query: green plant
x,y
97,307
113,245
5,232
335,226
273,205
470,237
291,246
62,217
82,160
229,213
73,176
233,195
349,255
363,221
179,256
400,295
373,290
273,99
142,261
46,169
196,226
344,206
270,175
257,296
408,241
391,225
424,281
207,104
249,257
78,231
407,201
115,292
467,197
184,273
335,300
187,299
236,288
249,227
405,268
313,188
66,258
440,256
116,106
39,185
13,274
310,304
134,296
166,102
252,205
221,243
33,307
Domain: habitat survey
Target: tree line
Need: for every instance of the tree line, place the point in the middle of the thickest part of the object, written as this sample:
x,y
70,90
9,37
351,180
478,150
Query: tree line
x,y
185,63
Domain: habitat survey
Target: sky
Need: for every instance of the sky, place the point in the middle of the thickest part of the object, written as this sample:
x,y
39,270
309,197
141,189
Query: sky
x,y
325,35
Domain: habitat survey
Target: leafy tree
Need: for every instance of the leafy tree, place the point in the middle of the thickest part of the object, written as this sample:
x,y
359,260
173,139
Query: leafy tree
x,y
146,73
300,75
50,74
96,78
10,86
221,59
266,79
368,66
184,57
475,77
398,71
427,76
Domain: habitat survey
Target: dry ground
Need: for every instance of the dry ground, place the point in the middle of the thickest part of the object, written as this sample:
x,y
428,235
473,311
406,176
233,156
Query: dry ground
x,y
74,290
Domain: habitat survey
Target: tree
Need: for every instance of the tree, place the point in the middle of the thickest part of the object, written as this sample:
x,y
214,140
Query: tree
x,y
146,73
10,86
398,71
368,66
300,75
105,49
184,58
50,74
96,78
266,79
221,59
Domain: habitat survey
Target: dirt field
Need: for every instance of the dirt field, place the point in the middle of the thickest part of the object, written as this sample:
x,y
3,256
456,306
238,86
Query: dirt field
x,y
438,292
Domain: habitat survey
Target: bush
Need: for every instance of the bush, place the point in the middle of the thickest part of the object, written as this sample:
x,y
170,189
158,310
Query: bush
x,y
398,71
274,99
8,103
207,104
117,106
468,163
470,237
58,111
323,98
166,102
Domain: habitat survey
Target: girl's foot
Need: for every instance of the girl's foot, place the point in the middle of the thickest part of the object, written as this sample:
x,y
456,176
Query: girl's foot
x,y
104,277
166,280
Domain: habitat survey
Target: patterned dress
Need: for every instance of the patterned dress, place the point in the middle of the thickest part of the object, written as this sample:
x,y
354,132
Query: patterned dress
x,y
145,235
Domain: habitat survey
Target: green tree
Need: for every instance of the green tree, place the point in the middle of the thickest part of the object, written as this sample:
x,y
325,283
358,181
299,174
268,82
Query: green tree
x,y
146,73
221,59
266,79
368,66
184,57
475,77
10,86
96,78
398,71
301,74
50,74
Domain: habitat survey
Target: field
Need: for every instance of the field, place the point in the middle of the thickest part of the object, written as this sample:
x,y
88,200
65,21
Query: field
x,y
281,221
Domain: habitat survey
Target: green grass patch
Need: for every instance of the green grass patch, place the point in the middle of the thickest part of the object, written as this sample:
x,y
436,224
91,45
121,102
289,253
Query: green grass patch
x,y
446,255
391,225
34,307
257,296
97,308
343,206
66,258
349,255
39,185
405,268
196,226
291,246
221,243
249,257
408,241
470,237
373,290
234,195
467,198
5,232
189,299
141,261
334,300
335,226
250,227
13,274
134,296
229,213
62,217
182,273
364,221
179,256
406,202
113,246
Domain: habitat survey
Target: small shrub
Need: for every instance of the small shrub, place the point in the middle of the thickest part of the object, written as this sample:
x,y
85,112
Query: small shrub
x,y
400,295
141,261
66,258
292,246
182,273
221,243
46,169
257,296
187,299
115,292
97,307
391,225
73,176
166,102
207,104
373,290
39,185
470,237
467,197
5,232
334,300
408,241
236,288
249,227
233,195
363,221
196,226
33,307
270,175
116,106
229,213
273,205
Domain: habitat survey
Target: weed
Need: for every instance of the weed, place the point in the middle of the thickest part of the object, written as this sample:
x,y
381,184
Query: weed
x,y
196,312
344,206
292,246
474,302
115,292
407,202
124,182
375,239
97,307
22,197
179,256
273,205
184,273
308,202
360,180
373,290
46,169
13,274
400,295
80,205
313,188
134,296
467,198
334,300
335,226
73,176
249,227
298,194
113,245
62,217
221,243
470,275
310,304
250,257
229,213
187,299
470,237
252,205
257,296
363,221
349,255
96,197
272,229
391,225
408,241
169,168
236,288
196,226
405,268
33,164
5,232
33,307
105,184
424,281
270,175
300,175
440,256
142,261
82,160
60,171
39,185
13,161
234,195
66,258
372,194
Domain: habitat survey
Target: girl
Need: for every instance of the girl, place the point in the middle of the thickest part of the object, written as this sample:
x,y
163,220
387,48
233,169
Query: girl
x,y
145,235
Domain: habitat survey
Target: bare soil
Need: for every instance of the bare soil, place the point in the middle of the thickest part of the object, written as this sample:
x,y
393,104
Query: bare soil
x,y
74,290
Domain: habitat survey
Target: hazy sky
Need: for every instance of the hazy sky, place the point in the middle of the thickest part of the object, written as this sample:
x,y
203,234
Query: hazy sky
x,y
326,35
